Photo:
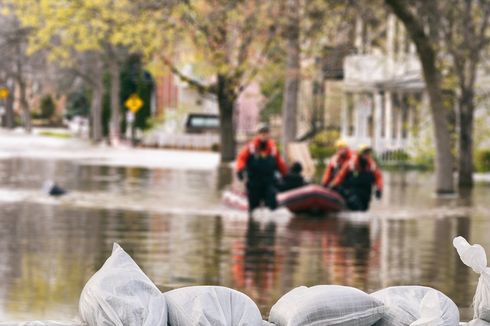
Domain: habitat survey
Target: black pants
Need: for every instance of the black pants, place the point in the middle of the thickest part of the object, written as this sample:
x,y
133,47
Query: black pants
x,y
259,193
356,199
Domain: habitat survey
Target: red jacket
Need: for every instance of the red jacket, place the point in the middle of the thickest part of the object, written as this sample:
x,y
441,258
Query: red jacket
x,y
252,147
335,164
352,166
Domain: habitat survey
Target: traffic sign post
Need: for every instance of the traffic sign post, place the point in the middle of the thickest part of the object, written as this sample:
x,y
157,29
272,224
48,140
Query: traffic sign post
x,y
4,94
134,103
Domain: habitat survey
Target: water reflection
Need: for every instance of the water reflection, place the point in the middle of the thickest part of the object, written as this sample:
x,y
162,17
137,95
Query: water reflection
x,y
48,251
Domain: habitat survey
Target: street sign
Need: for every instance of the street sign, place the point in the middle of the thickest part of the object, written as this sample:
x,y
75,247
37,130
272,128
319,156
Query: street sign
x,y
130,117
4,93
134,103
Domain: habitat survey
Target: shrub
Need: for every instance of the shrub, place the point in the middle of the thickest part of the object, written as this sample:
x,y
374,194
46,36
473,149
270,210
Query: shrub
x,y
326,138
215,147
48,107
321,153
322,145
482,160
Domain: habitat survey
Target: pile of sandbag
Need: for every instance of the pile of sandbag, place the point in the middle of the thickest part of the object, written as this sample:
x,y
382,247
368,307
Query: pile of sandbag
x,y
474,256
120,294
347,306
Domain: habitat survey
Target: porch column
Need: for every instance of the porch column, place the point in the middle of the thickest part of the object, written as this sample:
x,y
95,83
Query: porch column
x,y
399,126
344,117
377,120
355,114
388,117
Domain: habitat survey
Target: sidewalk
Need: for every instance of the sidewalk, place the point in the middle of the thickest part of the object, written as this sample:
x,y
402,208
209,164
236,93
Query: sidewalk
x,y
15,144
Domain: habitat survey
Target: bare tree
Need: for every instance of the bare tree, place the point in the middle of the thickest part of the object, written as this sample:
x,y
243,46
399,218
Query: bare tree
x,y
18,68
465,30
293,65
427,50
234,37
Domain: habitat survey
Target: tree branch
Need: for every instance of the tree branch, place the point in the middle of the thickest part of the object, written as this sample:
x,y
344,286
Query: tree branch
x,y
200,87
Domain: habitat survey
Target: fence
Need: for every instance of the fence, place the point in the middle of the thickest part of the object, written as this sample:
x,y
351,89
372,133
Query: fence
x,y
181,141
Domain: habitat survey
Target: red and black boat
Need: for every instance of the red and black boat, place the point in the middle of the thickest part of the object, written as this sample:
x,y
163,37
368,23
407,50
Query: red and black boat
x,y
310,199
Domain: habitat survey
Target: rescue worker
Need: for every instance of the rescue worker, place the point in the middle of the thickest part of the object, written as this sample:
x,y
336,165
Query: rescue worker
x,y
356,179
293,179
260,161
341,157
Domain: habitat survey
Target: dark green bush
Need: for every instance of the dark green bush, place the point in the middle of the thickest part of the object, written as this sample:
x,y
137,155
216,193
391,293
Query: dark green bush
x,y
482,160
48,107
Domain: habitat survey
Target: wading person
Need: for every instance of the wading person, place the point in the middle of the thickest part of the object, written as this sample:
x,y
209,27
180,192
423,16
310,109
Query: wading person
x,y
337,162
356,179
259,161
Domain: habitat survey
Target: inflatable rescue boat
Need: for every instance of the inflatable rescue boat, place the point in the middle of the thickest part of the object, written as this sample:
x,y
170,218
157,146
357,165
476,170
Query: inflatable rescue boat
x,y
311,199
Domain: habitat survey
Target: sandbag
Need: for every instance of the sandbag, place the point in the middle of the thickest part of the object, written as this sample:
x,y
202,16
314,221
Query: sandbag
x,y
477,322
40,323
120,294
326,305
211,306
417,305
430,310
475,257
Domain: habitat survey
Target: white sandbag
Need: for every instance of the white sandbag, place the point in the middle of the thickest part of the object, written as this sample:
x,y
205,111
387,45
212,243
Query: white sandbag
x,y
430,311
421,305
477,322
211,306
40,323
120,294
326,305
475,257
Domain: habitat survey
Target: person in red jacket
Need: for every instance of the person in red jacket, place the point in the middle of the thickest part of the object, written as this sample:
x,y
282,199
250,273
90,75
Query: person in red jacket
x,y
341,157
356,179
260,161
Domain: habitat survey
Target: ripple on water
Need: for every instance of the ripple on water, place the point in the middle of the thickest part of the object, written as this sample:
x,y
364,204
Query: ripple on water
x,y
172,223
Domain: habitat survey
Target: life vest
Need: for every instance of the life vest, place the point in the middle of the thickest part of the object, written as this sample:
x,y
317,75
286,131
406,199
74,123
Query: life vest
x,y
261,167
361,179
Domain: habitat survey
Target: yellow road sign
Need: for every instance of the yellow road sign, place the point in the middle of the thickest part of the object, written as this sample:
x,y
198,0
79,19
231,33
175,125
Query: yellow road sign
x,y
134,103
4,93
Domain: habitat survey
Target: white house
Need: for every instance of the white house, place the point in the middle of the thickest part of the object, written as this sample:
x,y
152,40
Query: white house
x,y
384,97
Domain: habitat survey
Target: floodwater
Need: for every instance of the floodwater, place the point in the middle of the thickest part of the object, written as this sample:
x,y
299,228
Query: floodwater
x,y
173,225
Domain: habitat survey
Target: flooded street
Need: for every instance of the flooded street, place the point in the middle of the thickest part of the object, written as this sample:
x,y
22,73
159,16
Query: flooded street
x,y
173,224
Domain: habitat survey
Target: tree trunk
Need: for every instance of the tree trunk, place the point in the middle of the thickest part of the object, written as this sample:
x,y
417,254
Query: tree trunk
x,y
24,105
427,57
444,159
291,87
114,129
318,116
465,164
96,105
9,106
226,103
21,83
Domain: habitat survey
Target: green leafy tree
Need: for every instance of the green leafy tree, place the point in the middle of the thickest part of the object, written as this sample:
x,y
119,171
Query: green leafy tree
x,y
73,30
227,42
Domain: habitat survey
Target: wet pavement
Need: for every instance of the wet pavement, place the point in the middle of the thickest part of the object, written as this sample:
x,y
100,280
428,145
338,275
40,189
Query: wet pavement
x,y
171,221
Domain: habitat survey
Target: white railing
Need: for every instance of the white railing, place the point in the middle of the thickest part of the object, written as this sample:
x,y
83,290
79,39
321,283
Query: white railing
x,y
181,141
